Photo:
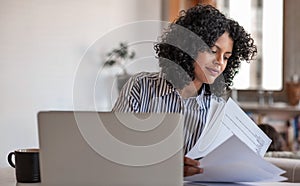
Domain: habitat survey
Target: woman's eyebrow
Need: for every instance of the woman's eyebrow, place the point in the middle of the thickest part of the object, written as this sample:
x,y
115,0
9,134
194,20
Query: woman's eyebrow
x,y
228,52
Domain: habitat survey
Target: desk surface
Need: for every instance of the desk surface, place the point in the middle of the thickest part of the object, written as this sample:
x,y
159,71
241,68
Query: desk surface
x,y
7,178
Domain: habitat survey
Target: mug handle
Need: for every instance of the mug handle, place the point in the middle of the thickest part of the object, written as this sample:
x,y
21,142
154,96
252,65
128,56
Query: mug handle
x,y
9,158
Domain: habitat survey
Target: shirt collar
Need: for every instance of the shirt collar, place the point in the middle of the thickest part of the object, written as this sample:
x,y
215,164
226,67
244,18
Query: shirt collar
x,y
165,88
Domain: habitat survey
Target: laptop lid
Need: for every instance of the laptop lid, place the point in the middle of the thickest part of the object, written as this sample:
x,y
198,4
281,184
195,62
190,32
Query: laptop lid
x,y
107,148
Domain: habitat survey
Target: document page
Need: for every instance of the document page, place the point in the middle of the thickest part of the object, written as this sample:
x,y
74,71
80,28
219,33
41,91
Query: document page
x,y
236,120
214,132
224,121
233,161
232,147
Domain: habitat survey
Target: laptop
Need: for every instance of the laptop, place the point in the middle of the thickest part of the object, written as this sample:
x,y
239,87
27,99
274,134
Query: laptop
x,y
109,148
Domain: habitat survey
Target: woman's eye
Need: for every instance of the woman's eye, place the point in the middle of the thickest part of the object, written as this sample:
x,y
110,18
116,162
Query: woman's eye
x,y
227,57
213,50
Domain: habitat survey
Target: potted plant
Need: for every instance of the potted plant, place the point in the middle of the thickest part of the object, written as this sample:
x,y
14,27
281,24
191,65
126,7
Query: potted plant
x,y
120,56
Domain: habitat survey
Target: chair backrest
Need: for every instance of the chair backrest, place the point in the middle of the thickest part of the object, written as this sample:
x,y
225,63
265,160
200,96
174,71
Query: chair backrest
x,y
291,166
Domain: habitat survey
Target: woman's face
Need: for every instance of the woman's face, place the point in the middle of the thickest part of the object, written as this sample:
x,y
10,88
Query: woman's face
x,y
209,65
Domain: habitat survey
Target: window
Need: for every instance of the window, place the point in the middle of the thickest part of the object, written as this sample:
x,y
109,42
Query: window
x,y
264,20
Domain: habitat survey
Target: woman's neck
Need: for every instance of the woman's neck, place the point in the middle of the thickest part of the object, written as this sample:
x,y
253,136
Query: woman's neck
x,y
191,90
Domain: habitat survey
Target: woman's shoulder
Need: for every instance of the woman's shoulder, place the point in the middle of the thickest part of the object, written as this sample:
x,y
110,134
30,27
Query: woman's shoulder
x,y
146,76
154,81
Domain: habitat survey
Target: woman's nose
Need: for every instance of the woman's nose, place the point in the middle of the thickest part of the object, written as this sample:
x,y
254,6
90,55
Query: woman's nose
x,y
219,60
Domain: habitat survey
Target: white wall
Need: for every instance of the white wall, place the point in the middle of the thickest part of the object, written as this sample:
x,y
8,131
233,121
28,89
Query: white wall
x,y
42,43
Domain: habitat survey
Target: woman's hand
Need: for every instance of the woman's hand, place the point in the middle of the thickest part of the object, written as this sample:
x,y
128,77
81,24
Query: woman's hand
x,y
191,167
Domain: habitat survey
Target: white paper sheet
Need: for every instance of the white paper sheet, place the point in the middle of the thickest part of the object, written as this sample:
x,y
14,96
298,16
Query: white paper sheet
x,y
245,128
233,147
233,161
214,133
225,120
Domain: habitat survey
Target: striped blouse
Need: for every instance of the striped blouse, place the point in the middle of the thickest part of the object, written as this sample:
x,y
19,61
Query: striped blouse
x,y
148,92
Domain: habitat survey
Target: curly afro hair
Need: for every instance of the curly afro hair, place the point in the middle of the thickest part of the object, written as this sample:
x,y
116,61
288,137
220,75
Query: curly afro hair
x,y
196,30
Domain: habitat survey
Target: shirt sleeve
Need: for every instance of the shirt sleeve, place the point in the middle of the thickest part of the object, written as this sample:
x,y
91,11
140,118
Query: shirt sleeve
x,y
129,98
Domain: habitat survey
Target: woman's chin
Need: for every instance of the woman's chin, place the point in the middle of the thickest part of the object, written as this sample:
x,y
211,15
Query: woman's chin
x,y
210,80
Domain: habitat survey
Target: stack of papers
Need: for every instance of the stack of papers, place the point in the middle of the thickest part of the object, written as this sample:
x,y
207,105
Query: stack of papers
x,y
232,147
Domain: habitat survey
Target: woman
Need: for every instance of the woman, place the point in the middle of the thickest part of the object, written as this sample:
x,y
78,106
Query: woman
x,y
199,55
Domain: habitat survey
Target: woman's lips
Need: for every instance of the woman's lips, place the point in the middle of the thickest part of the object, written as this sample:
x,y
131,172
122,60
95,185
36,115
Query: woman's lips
x,y
212,71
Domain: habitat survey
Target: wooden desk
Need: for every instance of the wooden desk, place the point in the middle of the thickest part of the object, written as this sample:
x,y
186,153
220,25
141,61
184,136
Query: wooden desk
x,y
7,178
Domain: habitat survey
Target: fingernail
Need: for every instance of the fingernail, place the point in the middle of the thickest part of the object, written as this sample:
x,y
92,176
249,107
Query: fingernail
x,y
200,170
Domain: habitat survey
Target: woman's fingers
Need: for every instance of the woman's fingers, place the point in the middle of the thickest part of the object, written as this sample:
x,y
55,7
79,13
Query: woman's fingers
x,y
191,167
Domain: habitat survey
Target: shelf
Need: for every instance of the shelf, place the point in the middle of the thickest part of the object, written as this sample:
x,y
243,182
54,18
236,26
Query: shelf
x,y
281,109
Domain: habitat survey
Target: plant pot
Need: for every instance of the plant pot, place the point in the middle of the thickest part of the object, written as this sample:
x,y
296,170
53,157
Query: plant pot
x,y
293,93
